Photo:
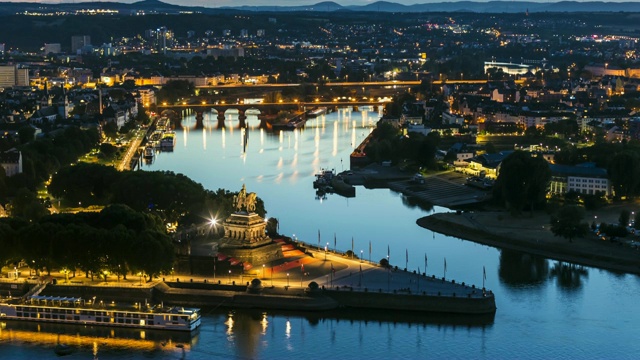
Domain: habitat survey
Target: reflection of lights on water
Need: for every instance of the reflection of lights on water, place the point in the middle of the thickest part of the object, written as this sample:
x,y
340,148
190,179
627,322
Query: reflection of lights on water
x,y
279,178
143,335
353,135
229,324
287,330
204,141
280,163
80,340
334,151
224,138
296,136
294,162
264,323
261,137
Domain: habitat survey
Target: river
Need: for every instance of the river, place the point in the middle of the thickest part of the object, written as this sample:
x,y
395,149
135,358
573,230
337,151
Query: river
x,y
546,309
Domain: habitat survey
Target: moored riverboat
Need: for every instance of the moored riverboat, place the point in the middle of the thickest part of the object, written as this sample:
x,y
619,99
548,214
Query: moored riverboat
x,y
316,112
323,179
149,152
55,309
168,141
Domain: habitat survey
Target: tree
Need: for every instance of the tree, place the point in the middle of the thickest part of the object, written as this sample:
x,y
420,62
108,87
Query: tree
x,y
176,89
522,181
108,150
624,172
625,215
27,206
568,222
110,129
26,134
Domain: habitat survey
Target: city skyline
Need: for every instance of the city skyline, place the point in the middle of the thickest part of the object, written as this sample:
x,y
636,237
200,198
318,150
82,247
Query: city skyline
x,y
233,3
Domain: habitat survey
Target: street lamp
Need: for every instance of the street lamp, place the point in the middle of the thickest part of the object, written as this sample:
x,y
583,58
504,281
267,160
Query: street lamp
x,y
229,276
325,252
360,255
263,271
287,279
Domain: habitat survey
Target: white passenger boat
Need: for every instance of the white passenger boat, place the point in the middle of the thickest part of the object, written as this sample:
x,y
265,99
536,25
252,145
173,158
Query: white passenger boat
x,y
67,310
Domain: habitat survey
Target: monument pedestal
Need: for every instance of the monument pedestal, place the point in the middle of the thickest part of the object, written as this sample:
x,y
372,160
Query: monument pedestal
x,y
245,239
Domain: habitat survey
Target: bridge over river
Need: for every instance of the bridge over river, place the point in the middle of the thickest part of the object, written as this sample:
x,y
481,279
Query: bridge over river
x,y
267,110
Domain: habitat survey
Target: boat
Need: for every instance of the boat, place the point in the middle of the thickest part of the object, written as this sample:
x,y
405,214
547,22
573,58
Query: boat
x,y
149,152
295,123
69,310
316,112
323,179
168,141
155,138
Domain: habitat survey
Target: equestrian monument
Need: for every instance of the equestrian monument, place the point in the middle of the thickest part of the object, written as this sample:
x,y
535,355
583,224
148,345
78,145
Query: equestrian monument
x,y
245,236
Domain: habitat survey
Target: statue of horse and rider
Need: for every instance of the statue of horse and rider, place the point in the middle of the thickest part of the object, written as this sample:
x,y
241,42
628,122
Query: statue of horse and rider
x,y
244,200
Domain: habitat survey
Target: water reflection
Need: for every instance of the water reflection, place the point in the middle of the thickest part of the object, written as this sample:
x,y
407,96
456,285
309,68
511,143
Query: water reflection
x,y
245,331
412,203
517,268
95,340
568,276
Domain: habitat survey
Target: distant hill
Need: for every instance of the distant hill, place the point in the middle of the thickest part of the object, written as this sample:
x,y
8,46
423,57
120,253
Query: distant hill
x,y
156,6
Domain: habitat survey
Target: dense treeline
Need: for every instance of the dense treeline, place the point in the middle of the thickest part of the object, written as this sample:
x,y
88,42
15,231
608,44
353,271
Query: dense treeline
x,y
389,144
172,197
44,156
117,240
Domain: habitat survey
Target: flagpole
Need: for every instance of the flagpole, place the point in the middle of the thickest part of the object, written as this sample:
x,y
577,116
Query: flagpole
x,y
369,250
425,264
484,275
352,248
445,268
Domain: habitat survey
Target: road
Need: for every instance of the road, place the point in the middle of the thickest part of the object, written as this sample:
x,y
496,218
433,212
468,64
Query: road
x,y
134,144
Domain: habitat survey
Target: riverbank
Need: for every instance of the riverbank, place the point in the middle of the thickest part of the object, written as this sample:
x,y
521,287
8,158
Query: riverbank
x,y
532,234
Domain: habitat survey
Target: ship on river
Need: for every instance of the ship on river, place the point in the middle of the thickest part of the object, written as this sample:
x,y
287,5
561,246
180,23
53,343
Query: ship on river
x,y
70,310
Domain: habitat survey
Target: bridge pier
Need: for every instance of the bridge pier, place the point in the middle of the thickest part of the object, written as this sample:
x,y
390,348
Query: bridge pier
x,y
242,118
264,122
221,111
375,108
355,108
199,119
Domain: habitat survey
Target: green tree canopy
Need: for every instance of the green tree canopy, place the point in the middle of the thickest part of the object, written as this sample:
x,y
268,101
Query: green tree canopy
x,y
522,181
624,173
568,222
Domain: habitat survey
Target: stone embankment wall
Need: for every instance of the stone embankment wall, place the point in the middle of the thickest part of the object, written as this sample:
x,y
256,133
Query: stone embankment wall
x,y
414,302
